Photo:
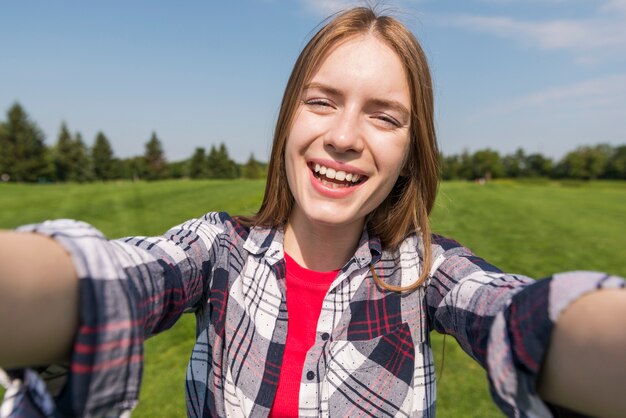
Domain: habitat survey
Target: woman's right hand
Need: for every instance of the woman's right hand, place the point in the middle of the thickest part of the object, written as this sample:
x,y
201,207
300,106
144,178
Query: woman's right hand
x,y
38,300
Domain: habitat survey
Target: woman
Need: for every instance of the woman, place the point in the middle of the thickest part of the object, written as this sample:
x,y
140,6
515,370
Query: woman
x,y
321,303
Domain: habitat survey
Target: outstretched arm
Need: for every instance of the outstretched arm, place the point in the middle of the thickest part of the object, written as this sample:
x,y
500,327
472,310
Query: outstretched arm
x,y
38,300
569,329
585,366
101,302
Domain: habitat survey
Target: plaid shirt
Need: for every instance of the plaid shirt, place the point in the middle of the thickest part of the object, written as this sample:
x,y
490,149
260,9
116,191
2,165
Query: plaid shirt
x,y
371,355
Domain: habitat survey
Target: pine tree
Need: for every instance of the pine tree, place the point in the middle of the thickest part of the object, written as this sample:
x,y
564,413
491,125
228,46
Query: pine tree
x,y
23,154
81,161
155,158
197,164
220,166
62,155
102,158
231,170
212,163
252,169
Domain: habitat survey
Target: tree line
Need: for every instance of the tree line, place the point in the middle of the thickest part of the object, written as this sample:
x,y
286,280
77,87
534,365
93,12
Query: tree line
x,y
601,161
24,157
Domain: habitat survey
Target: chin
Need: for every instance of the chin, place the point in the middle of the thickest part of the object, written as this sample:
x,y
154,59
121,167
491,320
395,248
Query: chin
x,y
333,216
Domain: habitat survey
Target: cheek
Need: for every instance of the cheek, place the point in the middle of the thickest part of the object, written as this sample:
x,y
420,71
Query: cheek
x,y
294,171
289,162
393,156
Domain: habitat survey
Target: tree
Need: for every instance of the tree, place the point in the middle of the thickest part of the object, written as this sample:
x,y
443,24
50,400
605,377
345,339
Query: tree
x,y
155,158
62,155
23,154
572,166
585,162
102,158
133,168
81,162
252,169
466,166
598,159
450,167
537,165
220,166
198,164
487,164
616,167
212,163
71,158
514,164
177,169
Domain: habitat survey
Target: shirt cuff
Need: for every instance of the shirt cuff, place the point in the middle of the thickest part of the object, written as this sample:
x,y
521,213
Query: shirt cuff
x,y
521,334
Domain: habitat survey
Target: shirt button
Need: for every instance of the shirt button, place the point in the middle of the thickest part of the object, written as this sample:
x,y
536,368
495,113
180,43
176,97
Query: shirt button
x,y
325,336
310,375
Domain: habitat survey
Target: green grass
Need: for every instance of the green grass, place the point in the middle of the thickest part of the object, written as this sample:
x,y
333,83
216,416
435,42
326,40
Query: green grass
x,y
533,228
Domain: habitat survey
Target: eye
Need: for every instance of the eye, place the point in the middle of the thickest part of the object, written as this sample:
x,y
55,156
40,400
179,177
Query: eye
x,y
388,120
318,102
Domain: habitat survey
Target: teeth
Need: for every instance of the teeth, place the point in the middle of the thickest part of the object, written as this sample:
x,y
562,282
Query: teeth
x,y
331,174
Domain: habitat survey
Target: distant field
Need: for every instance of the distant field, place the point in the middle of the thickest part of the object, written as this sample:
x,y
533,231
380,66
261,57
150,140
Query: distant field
x,y
533,228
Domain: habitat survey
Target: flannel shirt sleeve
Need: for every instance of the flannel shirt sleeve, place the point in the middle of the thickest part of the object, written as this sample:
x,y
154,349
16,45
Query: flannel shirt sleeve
x,y
503,321
129,289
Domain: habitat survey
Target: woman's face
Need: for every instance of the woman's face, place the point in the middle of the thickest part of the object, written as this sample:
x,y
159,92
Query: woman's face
x,y
350,134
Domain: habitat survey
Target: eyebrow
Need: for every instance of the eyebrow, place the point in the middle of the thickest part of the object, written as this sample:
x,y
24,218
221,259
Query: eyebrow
x,y
392,104
323,87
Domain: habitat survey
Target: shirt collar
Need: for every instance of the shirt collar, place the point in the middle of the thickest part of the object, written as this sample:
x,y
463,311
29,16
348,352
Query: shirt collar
x,y
369,249
268,241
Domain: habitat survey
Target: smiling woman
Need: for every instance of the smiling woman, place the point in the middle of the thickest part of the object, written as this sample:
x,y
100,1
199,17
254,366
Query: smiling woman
x,y
322,303
348,123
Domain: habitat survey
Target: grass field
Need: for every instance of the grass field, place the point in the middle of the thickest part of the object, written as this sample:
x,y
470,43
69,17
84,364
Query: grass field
x,y
533,228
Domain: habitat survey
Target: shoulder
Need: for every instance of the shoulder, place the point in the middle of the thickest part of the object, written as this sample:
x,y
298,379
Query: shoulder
x,y
439,245
218,222
210,232
445,254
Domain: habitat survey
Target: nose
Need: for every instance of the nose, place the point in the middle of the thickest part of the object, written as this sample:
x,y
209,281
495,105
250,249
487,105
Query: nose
x,y
344,134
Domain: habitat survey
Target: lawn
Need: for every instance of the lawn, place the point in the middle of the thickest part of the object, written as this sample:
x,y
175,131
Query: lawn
x,y
532,228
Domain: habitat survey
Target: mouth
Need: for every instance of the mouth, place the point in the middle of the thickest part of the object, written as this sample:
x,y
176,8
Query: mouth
x,y
336,179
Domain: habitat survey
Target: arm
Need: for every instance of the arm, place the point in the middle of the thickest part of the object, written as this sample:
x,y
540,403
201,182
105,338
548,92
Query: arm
x,y
504,321
585,367
128,289
38,300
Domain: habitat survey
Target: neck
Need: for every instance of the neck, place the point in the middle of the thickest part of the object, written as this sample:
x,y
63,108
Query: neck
x,y
320,247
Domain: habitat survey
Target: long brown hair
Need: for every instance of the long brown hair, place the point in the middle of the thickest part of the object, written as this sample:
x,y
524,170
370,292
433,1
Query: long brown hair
x,y
406,208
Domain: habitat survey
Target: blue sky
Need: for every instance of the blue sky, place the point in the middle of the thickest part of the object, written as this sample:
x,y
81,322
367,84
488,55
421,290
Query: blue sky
x,y
544,75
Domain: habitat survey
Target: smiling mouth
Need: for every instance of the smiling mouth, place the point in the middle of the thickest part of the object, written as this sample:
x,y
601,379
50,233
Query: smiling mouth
x,y
335,179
